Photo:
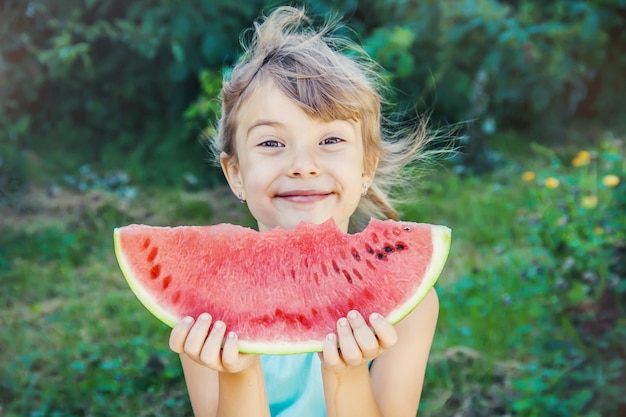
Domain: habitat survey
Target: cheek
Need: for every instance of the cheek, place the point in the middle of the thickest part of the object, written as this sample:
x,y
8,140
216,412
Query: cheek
x,y
256,175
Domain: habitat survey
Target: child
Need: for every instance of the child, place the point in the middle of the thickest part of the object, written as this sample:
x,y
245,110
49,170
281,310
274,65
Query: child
x,y
300,139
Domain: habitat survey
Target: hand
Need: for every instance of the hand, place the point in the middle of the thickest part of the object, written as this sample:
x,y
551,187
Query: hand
x,y
209,346
358,343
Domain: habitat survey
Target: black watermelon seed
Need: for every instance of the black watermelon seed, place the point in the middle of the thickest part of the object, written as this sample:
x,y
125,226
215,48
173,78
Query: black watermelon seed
x,y
335,267
388,248
401,246
380,255
348,277
369,249
355,254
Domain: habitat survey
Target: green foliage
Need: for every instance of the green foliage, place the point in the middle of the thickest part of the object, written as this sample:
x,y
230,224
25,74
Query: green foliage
x,y
12,172
527,64
90,76
205,111
578,216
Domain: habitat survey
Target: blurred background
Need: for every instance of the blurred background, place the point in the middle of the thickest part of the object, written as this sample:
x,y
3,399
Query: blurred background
x,y
103,104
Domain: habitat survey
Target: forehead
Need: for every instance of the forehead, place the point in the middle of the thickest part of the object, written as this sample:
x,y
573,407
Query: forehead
x,y
319,97
264,98
268,103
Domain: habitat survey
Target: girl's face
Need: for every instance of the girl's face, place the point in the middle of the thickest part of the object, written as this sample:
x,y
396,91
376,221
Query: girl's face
x,y
291,168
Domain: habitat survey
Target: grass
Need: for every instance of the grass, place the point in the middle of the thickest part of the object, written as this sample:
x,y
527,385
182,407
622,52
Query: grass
x,y
76,342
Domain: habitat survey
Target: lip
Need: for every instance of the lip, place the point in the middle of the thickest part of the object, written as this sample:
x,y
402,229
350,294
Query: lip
x,y
303,196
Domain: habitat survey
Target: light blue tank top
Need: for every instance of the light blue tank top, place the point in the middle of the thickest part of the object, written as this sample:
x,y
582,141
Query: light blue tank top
x,y
294,385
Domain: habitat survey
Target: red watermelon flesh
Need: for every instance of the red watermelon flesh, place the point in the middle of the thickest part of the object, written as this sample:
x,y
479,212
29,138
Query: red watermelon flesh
x,y
281,291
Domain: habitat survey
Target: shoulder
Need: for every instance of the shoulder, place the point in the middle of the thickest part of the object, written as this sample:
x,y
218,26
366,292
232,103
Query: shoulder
x,y
423,317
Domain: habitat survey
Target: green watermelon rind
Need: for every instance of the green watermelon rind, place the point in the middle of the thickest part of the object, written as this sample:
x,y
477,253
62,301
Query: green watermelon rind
x,y
441,239
140,292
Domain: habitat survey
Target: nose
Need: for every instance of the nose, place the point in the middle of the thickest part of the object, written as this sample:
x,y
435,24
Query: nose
x,y
303,163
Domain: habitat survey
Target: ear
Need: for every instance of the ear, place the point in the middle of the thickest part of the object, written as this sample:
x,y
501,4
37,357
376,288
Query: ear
x,y
230,167
369,170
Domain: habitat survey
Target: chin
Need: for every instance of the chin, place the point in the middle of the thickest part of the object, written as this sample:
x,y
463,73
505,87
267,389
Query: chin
x,y
290,223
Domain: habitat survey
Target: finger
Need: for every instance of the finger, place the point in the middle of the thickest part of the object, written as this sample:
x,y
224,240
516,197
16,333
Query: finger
x,y
350,351
230,352
365,338
179,334
385,332
211,352
197,335
330,353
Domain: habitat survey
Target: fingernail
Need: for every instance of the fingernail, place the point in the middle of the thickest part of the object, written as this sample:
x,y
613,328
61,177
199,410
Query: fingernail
x,y
205,316
188,320
353,314
218,325
375,316
231,335
330,337
343,322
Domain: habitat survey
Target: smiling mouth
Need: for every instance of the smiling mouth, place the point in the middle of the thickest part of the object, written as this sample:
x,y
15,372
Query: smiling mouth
x,y
303,196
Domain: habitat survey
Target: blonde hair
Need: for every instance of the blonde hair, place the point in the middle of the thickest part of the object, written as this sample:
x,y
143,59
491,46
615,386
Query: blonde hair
x,y
331,78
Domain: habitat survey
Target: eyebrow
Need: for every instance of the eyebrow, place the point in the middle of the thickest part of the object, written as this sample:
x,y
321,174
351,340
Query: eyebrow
x,y
262,122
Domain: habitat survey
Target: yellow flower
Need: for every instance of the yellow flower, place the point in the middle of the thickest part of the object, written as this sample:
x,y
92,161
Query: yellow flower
x,y
528,176
589,201
578,162
598,230
551,183
583,155
581,158
610,180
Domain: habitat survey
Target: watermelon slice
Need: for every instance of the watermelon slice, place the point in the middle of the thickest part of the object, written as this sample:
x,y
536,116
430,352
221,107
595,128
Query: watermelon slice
x,y
281,291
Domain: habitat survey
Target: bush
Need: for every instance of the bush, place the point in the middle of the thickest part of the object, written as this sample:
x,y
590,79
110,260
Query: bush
x,y
85,80
578,216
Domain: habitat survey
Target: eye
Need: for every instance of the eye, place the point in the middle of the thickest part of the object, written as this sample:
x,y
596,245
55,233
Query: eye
x,y
271,144
331,141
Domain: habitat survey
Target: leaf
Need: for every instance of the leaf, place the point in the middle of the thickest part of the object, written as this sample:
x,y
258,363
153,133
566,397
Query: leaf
x,y
590,28
540,97
177,51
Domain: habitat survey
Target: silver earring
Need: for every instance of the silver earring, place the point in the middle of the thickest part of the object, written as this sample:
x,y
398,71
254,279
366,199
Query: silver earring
x,y
365,187
241,199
